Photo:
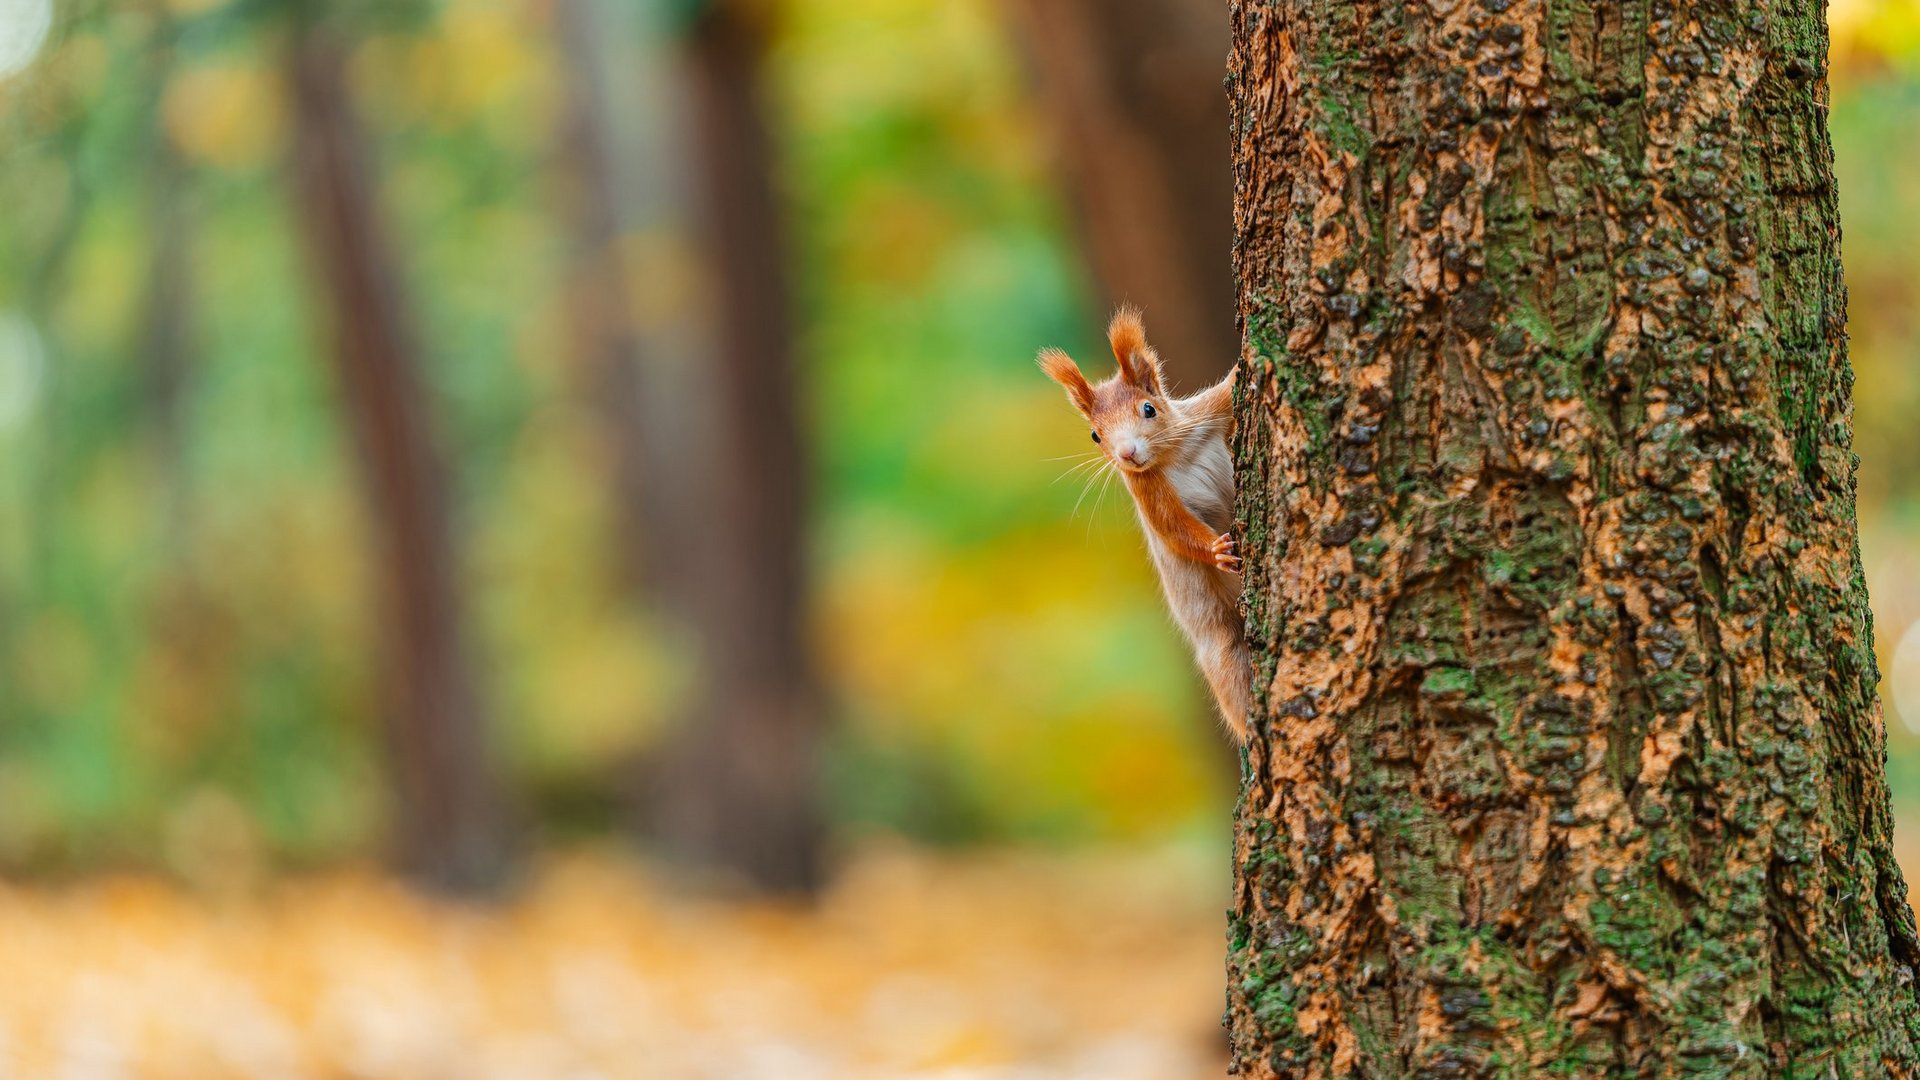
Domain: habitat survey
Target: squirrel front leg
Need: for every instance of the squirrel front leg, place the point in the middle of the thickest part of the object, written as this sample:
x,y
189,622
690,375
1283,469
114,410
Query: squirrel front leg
x,y
1176,526
1216,401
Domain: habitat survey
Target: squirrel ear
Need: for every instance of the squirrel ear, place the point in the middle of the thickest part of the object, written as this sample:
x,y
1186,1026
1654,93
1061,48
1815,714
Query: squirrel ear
x,y
1061,369
1139,364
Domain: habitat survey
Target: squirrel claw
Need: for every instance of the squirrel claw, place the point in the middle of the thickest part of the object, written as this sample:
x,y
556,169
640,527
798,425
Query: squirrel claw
x,y
1226,555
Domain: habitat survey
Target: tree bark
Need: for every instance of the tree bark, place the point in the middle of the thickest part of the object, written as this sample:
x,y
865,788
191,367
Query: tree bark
x,y
736,791
1141,130
1568,757
448,813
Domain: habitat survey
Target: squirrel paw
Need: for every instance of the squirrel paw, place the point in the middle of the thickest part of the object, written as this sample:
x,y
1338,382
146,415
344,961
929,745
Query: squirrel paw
x,y
1226,555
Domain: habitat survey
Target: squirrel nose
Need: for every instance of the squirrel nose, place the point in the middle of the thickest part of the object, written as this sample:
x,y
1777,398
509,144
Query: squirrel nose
x,y
1135,451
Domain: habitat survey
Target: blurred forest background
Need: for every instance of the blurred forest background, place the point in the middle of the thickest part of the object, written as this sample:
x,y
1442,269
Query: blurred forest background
x,y
482,439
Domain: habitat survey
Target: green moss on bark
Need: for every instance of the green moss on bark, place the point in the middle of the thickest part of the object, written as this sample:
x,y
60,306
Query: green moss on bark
x,y
1568,758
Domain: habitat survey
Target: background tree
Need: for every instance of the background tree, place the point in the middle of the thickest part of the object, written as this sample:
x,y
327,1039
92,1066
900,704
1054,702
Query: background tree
x,y
1569,755
736,789
168,319
447,814
1140,127
608,342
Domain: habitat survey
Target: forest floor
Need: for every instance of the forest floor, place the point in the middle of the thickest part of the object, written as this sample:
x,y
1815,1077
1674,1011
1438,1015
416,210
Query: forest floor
x,y
913,966
958,967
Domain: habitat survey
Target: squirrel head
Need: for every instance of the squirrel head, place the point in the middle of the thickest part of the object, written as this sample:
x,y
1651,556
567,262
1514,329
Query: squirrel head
x,y
1132,419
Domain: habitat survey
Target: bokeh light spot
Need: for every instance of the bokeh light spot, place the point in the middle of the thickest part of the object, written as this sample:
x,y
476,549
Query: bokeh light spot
x,y
1903,678
22,362
23,30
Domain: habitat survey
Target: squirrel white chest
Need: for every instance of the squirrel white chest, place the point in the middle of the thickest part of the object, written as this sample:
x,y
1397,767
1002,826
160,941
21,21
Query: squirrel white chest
x,y
1204,480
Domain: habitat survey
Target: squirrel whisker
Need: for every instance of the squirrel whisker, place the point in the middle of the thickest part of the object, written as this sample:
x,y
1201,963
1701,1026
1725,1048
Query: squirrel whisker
x,y
1097,476
1092,462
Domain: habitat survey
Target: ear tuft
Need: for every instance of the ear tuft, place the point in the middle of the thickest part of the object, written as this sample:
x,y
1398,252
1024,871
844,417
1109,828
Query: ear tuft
x,y
1061,369
1127,333
1139,364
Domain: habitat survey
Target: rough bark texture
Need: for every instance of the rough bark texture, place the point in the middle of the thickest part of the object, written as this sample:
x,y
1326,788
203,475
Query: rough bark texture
x,y
1140,127
737,790
448,820
1568,758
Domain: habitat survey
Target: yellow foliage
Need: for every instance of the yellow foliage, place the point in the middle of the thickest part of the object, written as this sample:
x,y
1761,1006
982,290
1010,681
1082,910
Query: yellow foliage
x,y
599,691
594,678
908,234
74,71
111,502
90,323
230,115
481,62
851,56
57,661
488,60
1887,29
996,656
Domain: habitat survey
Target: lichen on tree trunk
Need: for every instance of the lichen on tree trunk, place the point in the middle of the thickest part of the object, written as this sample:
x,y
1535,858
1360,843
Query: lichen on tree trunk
x,y
1568,754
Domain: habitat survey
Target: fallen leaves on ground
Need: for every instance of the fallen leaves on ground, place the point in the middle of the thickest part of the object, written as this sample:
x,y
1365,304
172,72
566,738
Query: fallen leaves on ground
x,y
979,967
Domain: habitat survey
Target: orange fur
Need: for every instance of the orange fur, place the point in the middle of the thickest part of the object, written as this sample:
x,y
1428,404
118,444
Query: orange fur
x,y
1176,467
1061,369
1138,363
1188,537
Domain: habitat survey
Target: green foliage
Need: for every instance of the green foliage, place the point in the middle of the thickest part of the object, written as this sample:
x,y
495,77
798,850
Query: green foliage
x,y
176,629
193,627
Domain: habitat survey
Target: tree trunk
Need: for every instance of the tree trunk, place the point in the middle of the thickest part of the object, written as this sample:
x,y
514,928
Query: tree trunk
x,y
609,344
168,318
1568,757
448,814
1141,130
737,789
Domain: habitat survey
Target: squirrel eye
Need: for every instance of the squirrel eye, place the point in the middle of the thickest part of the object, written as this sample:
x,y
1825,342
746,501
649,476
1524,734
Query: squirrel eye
x,y
1146,409
1096,436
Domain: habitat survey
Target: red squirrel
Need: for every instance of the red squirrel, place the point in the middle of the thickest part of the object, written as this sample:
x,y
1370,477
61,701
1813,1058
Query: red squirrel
x,y
1172,454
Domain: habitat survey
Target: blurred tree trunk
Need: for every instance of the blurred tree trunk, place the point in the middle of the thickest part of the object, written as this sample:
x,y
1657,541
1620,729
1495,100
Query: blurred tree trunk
x,y
736,790
448,810
609,344
1568,756
169,345
1140,125
168,321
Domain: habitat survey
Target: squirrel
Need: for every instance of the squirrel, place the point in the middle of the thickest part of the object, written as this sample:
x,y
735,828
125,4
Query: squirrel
x,y
1172,454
